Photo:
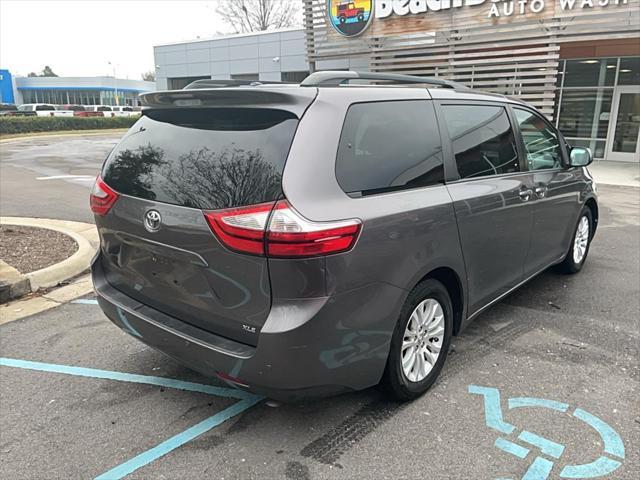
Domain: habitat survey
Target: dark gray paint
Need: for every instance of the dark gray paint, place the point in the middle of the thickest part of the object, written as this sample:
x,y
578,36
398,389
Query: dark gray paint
x,y
324,325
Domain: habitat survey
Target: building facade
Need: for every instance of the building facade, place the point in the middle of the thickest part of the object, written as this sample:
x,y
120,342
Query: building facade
x,y
80,90
268,56
578,61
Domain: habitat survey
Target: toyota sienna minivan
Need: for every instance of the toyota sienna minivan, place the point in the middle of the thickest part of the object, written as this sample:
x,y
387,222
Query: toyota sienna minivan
x,y
305,240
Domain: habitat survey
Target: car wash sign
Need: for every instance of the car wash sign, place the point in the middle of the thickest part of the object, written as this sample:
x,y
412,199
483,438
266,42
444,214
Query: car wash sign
x,y
494,8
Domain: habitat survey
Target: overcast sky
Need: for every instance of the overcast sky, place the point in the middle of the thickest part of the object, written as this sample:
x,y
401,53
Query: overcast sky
x,y
80,37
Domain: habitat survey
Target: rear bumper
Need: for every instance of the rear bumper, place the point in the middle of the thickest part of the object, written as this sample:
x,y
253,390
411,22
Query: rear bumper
x,y
307,347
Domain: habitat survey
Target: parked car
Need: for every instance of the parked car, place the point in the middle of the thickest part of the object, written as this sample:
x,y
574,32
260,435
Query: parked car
x,y
11,110
125,111
106,110
44,110
306,240
79,111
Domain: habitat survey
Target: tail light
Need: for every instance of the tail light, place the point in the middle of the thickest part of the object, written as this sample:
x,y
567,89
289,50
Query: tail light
x,y
102,197
241,229
278,231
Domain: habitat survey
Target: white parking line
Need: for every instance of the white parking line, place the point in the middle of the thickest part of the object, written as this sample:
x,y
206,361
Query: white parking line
x,y
60,177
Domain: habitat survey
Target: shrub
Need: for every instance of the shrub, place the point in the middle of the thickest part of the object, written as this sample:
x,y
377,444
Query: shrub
x,y
52,124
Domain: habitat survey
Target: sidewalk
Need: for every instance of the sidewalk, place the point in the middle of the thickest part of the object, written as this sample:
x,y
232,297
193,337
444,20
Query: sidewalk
x,y
616,173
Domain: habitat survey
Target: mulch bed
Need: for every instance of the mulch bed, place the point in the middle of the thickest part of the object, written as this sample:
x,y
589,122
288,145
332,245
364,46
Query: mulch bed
x,y
28,249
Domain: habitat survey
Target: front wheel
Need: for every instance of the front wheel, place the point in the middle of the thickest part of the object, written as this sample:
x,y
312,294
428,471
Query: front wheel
x,y
420,341
577,254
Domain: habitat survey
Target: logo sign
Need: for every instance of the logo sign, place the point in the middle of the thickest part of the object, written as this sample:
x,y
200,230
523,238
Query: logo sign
x,y
494,8
152,220
350,18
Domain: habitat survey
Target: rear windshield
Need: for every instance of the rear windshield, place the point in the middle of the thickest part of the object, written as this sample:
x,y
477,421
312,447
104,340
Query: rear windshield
x,y
204,158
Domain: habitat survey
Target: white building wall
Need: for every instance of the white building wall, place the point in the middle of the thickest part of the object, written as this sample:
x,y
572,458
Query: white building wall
x,y
264,54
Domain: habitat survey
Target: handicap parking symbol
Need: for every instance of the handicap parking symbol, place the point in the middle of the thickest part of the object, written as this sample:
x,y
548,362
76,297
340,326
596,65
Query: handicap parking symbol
x,y
550,451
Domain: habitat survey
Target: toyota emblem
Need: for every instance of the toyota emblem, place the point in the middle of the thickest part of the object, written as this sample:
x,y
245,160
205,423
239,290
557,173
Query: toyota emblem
x,y
152,220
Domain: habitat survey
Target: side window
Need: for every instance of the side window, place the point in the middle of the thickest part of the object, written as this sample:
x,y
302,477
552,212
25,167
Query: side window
x,y
387,146
541,141
483,141
41,108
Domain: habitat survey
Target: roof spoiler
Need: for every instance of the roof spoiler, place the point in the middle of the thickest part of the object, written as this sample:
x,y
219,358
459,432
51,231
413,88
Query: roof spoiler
x,y
295,99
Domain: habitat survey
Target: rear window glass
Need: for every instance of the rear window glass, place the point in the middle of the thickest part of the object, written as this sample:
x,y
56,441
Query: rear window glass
x,y
203,158
387,146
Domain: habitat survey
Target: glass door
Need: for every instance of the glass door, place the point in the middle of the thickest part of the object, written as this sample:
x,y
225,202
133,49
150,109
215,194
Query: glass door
x,y
624,128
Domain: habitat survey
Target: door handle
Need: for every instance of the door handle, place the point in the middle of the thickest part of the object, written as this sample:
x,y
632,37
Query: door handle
x,y
525,194
541,191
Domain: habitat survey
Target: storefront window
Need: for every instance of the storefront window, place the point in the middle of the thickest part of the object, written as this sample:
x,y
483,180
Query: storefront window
x,y
590,72
629,71
585,113
586,91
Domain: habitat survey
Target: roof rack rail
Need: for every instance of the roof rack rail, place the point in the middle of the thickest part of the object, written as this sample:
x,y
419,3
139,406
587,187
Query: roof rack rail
x,y
210,83
336,78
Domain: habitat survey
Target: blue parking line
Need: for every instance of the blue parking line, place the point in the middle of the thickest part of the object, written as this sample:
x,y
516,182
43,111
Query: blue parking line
x,y
545,445
598,468
492,410
126,377
612,441
510,447
85,301
537,402
177,440
539,469
246,400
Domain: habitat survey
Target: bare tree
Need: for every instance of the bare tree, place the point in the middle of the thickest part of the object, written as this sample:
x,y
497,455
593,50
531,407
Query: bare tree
x,y
245,16
149,76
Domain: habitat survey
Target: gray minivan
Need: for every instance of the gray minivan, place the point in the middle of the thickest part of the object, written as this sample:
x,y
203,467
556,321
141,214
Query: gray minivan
x,y
304,240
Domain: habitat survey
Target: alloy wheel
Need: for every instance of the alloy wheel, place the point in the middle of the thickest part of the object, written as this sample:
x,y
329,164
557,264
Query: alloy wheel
x,y
581,240
422,341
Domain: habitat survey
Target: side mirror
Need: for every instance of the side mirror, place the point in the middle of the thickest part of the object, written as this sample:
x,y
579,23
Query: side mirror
x,y
580,157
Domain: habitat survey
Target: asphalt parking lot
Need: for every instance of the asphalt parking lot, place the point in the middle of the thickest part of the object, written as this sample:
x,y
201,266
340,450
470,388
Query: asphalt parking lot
x,y
543,385
50,176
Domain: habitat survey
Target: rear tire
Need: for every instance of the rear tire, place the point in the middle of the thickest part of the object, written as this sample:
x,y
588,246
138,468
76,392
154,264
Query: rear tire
x,y
580,243
418,350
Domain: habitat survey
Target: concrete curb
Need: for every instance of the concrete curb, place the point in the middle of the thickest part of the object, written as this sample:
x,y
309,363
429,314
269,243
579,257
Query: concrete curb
x,y
84,234
74,133
18,309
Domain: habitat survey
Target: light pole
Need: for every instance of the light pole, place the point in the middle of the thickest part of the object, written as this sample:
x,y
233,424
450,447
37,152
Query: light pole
x,y
115,81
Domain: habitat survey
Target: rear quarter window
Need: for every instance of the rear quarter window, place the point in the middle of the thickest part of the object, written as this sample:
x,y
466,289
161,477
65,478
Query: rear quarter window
x,y
203,158
483,140
389,146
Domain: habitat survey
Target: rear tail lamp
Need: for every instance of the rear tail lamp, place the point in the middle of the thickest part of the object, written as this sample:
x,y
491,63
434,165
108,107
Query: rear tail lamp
x,y
278,231
102,197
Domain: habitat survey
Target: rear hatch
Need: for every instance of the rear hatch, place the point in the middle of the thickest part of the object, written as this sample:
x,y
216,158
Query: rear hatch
x,y
187,154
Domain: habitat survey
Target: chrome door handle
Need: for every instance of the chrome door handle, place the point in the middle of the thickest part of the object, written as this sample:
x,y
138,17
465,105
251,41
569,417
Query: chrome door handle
x,y
541,192
525,194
